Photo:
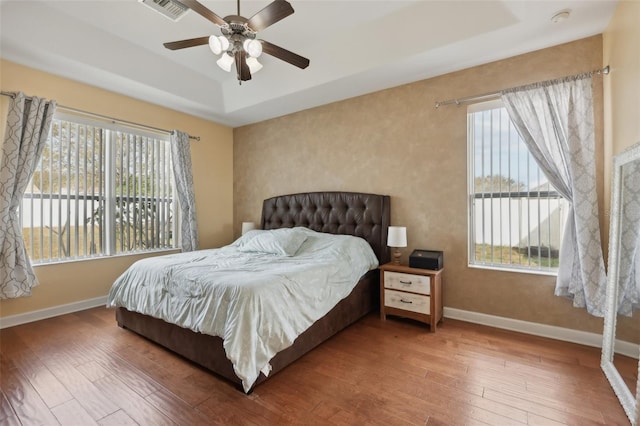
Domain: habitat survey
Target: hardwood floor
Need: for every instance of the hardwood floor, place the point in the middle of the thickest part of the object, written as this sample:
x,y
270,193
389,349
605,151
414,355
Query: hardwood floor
x,y
81,369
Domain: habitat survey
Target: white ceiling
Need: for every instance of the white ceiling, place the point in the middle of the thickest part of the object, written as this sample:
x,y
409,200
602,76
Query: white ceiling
x,y
355,47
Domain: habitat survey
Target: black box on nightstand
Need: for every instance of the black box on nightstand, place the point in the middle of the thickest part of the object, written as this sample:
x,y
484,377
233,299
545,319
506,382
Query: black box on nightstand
x,y
426,259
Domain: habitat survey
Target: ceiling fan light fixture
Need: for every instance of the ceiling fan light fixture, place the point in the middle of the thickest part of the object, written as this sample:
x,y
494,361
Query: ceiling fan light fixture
x,y
254,65
252,47
225,62
224,42
218,44
215,45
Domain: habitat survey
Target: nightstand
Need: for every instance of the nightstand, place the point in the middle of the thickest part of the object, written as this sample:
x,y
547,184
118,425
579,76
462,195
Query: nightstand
x,y
411,293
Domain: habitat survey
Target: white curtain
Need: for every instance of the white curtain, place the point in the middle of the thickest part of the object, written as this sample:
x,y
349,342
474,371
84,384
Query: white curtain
x,y
28,125
555,119
181,157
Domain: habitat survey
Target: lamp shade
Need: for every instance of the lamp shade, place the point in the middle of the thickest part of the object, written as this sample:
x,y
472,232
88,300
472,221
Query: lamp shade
x,y
218,44
225,62
252,47
215,45
248,226
254,65
397,236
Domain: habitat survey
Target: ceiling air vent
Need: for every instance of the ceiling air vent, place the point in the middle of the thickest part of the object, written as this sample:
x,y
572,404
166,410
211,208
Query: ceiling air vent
x,y
171,9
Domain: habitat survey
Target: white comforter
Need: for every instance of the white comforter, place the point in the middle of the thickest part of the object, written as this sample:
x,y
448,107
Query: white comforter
x,y
257,301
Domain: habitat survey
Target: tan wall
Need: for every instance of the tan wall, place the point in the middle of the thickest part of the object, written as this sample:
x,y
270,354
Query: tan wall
x,y
212,172
395,142
621,51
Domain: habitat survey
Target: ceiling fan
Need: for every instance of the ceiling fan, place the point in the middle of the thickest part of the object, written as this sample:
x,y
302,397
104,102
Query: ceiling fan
x,y
238,43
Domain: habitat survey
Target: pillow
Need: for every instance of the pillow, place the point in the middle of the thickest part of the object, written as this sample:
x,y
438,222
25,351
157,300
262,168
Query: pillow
x,y
281,242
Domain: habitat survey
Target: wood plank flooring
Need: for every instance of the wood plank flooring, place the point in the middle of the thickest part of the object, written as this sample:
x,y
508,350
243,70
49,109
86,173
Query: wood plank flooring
x,y
81,369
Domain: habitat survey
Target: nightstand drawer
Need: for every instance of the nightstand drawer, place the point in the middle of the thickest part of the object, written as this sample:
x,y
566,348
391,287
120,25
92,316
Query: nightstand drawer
x,y
407,301
407,282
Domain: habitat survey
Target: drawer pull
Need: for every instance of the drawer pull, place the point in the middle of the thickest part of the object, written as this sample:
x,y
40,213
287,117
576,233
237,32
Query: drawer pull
x,y
406,282
406,301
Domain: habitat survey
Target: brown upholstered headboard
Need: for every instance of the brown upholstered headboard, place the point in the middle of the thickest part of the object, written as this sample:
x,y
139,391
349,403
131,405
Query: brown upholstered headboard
x,y
350,213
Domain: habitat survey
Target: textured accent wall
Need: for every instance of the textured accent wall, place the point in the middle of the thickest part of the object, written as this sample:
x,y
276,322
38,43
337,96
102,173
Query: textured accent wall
x,y
396,142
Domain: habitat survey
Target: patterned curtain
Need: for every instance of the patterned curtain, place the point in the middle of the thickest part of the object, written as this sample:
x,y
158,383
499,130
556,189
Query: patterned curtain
x,y
28,125
555,119
181,157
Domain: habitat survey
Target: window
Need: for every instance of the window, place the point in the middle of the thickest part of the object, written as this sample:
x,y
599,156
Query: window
x,y
100,189
516,217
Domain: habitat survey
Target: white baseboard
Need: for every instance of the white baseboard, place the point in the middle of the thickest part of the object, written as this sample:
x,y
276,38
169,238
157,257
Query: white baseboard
x,y
54,311
543,330
559,333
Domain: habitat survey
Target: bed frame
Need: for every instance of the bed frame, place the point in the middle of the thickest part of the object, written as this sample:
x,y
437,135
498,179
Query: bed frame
x,y
360,214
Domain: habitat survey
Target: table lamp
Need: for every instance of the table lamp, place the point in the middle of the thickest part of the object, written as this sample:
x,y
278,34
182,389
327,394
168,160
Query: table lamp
x,y
397,237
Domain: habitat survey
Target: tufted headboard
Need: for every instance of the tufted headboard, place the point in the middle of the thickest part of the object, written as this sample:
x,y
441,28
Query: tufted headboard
x,y
351,213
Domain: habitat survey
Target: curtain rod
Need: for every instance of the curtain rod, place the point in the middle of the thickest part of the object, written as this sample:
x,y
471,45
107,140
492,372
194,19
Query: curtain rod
x,y
113,120
459,101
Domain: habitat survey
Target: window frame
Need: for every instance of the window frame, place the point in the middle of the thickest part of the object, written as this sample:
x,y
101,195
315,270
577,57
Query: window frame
x,y
109,128
472,262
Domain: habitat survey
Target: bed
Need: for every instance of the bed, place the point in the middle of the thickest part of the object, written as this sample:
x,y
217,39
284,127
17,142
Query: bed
x,y
346,213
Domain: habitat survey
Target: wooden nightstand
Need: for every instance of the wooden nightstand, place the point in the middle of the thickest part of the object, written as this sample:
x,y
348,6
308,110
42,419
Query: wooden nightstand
x,y
411,293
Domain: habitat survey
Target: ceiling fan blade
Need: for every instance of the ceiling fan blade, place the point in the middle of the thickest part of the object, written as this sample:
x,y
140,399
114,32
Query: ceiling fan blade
x,y
202,10
175,45
284,54
274,12
242,68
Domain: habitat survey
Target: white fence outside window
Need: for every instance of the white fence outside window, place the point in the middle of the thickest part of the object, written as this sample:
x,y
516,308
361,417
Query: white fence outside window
x,y
506,221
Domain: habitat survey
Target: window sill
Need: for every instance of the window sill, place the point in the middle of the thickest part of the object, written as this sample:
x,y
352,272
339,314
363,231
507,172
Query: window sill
x,y
158,252
516,270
